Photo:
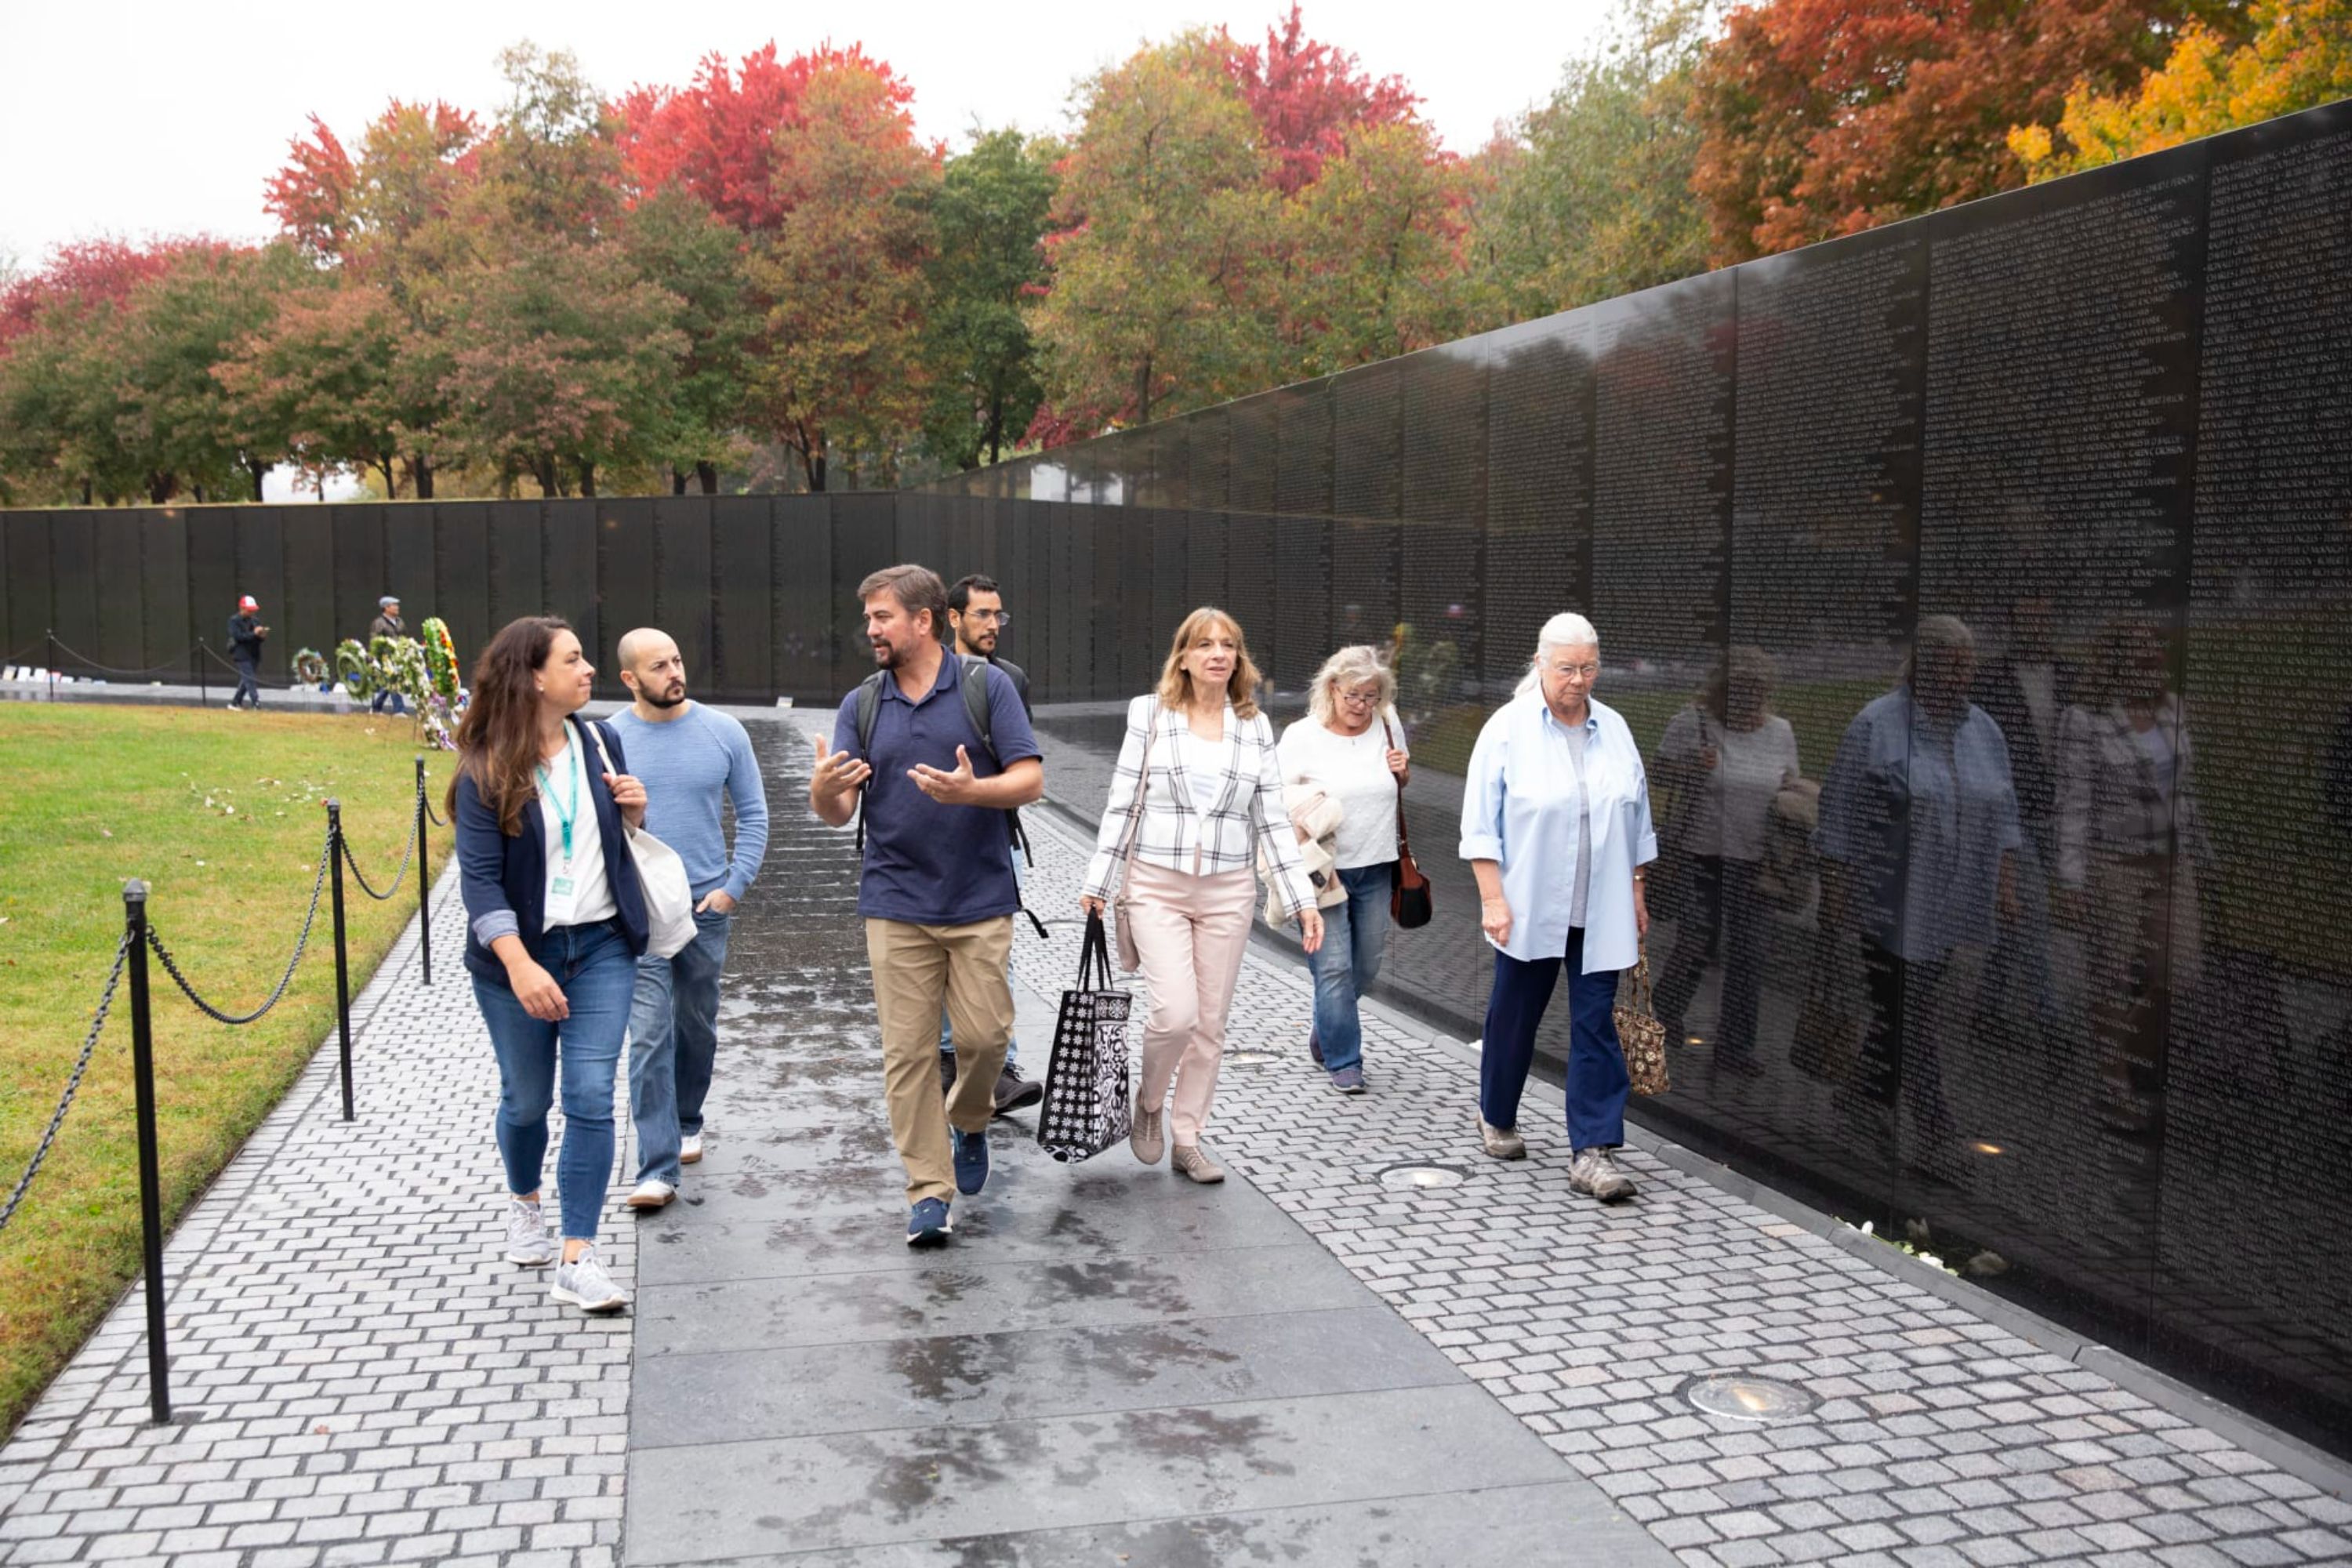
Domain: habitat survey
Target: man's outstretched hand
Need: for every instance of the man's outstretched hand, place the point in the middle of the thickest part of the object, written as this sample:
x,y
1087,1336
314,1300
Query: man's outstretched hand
x,y
956,788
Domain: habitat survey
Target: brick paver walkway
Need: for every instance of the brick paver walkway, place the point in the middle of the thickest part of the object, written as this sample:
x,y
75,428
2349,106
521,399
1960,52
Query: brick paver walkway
x,y
366,1382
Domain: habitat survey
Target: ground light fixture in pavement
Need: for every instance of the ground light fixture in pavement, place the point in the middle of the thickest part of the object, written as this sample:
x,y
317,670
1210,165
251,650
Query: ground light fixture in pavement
x,y
1748,1396
1414,1177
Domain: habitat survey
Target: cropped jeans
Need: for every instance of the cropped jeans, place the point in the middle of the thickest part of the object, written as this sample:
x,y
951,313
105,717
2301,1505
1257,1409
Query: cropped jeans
x,y
674,1045
597,972
1355,937
1597,1081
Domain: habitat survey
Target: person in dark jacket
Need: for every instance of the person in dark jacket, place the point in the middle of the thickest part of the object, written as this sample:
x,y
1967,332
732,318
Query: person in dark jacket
x,y
387,624
245,633
976,619
556,924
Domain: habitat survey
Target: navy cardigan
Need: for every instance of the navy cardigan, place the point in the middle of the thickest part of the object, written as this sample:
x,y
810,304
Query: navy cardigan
x,y
505,878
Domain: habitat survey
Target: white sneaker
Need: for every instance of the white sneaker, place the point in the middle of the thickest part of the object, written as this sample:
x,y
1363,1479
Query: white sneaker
x,y
527,1242
583,1283
652,1194
689,1149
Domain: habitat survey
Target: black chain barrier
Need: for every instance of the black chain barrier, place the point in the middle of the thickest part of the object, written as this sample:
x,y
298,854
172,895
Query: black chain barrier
x,y
406,856
73,1084
90,663
172,969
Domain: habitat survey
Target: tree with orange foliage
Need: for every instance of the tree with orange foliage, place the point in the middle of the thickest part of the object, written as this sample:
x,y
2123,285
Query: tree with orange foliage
x,y
1826,117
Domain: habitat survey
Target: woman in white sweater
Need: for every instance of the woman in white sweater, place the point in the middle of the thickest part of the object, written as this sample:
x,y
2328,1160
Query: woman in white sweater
x,y
1349,749
1197,795
1724,757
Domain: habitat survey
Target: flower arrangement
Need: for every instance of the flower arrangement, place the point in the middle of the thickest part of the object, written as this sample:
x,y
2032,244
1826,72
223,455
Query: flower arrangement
x,y
441,657
310,668
355,669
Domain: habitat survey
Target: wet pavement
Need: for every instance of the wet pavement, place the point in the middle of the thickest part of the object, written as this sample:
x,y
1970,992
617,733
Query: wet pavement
x,y
1107,1365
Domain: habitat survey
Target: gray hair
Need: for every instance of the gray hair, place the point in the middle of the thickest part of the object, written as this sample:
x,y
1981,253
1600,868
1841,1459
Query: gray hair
x,y
1566,629
1349,665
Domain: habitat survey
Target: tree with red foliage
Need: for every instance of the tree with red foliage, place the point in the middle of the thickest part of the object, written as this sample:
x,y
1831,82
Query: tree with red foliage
x,y
1307,97
716,138
1826,117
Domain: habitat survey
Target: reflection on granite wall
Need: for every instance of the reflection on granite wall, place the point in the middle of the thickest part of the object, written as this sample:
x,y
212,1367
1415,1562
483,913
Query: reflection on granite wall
x,y
2027,526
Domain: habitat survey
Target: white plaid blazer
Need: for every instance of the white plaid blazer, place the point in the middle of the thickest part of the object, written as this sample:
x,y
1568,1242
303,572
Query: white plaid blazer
x,y
1248,814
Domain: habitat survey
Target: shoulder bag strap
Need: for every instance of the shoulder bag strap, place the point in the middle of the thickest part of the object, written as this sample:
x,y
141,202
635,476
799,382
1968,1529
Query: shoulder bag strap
x,y
1142,787
1404,839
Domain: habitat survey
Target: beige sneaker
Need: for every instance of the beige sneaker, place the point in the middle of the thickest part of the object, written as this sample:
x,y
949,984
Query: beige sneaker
x,y
1144,1135
1592,1171
1502,1142
1190,1162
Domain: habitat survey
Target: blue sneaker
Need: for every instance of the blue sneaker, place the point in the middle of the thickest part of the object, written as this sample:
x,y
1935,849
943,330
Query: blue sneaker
x,y
927,1226
1347,1080
971,1160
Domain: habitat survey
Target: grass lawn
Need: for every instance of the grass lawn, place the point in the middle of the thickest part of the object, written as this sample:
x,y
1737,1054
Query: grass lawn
x,y
221,814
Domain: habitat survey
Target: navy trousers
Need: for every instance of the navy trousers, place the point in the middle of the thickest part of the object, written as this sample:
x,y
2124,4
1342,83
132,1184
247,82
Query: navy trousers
x,y
1597,1084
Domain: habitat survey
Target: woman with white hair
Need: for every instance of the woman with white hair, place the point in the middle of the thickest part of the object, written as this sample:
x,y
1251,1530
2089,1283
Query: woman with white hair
x,y
1349,753
1556,826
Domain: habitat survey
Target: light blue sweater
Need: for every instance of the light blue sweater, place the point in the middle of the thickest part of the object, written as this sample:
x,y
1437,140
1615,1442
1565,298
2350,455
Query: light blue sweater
x,y
688,764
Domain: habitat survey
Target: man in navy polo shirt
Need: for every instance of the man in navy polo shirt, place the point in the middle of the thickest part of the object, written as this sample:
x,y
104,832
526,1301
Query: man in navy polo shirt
x,y
936,889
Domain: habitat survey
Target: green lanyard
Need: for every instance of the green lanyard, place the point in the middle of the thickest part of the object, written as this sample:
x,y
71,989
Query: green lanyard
x,y
566,812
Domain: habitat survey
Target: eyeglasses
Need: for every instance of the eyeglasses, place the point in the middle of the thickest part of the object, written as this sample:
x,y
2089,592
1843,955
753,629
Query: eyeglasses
x,y
1580,671
1000,617
1359,699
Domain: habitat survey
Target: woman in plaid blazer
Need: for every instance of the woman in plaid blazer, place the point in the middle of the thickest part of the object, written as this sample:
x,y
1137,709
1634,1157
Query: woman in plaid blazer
x,y
1197,795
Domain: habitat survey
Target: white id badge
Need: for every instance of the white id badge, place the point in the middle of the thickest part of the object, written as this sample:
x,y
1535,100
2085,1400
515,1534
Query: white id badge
x,y
561,899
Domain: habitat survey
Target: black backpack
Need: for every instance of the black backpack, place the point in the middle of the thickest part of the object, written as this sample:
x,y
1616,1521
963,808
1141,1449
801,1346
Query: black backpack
x,y
974,687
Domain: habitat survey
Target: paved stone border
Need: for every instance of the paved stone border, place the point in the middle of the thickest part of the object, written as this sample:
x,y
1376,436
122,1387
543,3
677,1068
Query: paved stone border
x,y
361,1378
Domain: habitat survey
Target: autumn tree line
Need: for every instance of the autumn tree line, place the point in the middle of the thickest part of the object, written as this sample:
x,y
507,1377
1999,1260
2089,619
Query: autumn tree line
x,y
766,279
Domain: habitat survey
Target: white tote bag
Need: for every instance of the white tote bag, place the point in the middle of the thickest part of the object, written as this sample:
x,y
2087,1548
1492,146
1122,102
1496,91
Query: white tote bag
x,y
661,876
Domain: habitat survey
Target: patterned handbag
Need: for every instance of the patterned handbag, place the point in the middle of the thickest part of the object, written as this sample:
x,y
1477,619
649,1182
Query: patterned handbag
x,y
1086,1107
1643,1036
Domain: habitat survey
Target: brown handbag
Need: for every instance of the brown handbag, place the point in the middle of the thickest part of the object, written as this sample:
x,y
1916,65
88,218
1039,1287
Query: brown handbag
x,y
1410,904
1642,1036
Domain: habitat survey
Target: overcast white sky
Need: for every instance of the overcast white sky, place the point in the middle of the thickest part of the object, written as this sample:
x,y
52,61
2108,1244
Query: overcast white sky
x,y
166,117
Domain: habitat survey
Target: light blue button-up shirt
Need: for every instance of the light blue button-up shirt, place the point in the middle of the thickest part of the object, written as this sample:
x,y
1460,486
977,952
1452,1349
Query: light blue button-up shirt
x,y
1520,807
1920,812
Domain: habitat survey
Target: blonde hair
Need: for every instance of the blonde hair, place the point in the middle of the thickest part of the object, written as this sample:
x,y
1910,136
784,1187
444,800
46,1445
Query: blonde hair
x,y
1176,684
1349,665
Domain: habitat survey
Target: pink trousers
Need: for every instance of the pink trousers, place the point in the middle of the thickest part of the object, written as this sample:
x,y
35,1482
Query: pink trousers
x,y
1191,933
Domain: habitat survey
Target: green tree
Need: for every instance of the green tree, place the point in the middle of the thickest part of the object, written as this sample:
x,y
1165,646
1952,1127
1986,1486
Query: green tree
x,y
1590,197
1165,220
989,222
840,376
1370,252
673,239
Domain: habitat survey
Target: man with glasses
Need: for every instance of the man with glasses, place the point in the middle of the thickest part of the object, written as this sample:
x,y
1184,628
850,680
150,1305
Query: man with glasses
x,y
977,619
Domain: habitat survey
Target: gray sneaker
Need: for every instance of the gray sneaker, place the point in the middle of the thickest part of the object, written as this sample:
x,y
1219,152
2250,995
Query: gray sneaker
x,y
1502,1142
527,1242
583,1283
1592,1171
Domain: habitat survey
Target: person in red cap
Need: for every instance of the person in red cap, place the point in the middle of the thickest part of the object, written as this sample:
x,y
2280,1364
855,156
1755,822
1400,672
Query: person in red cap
x,y
245,633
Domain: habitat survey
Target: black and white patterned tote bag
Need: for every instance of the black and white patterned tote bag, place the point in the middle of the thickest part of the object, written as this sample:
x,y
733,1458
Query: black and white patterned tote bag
x,y
1087,1106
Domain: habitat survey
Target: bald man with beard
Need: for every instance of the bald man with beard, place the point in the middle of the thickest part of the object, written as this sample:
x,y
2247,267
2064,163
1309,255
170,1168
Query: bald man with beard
x,y
690,760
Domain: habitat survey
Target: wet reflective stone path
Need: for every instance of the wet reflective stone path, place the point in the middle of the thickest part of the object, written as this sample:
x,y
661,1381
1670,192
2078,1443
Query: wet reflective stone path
x,y
1107,1365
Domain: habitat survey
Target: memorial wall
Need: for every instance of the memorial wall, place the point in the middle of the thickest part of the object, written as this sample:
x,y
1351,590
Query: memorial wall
x,y
2031,521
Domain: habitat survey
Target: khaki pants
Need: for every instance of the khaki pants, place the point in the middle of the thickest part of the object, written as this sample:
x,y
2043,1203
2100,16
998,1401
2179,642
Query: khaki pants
x,y
1191,934
916,969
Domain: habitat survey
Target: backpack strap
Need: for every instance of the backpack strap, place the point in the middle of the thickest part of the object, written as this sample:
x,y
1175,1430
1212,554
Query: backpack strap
x,y
977,673
869,708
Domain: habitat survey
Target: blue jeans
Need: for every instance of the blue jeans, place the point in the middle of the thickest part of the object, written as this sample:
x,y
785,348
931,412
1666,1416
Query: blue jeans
x,y
674,1040
399,704
249,688
1596,1083
596,971
1355,936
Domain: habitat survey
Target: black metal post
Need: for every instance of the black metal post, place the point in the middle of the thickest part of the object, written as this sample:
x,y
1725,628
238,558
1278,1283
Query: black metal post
x,y
342,959
53,666
151,1178
204,685
424,882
